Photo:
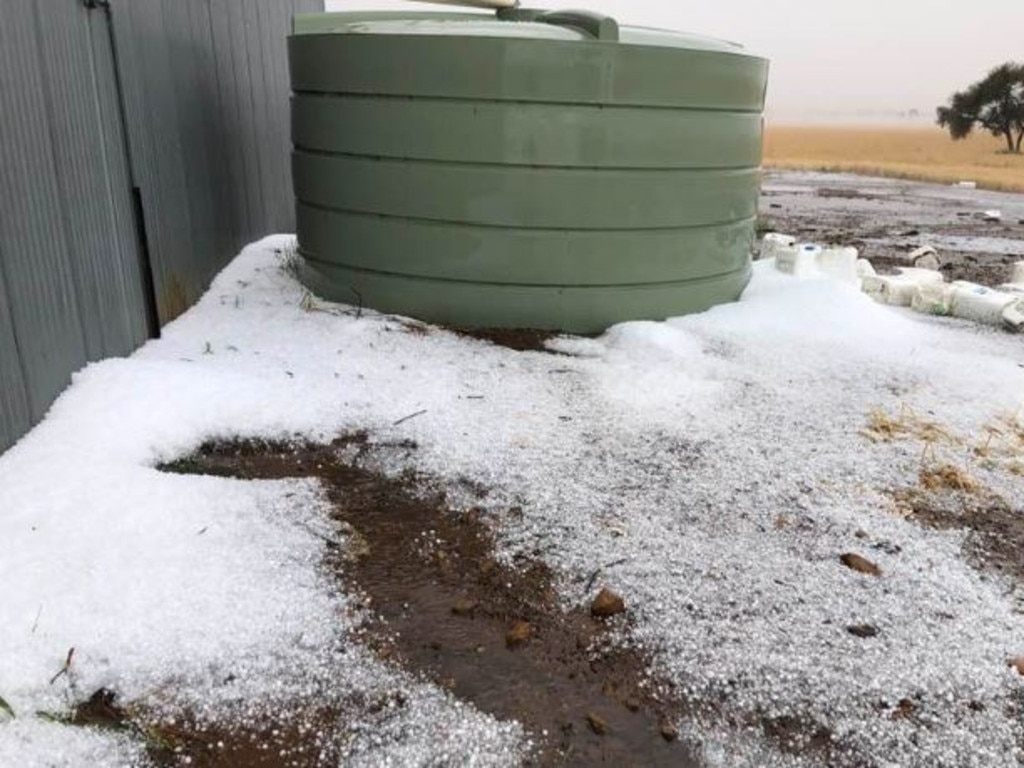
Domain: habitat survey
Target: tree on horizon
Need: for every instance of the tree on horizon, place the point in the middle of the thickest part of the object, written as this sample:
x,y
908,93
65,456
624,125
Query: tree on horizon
x,y
996,103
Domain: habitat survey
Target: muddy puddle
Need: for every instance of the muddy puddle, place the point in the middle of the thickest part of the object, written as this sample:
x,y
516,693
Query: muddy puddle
x,y
492,634
887,219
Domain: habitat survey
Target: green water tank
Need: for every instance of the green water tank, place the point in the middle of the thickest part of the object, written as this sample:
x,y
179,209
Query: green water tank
x,y
531,169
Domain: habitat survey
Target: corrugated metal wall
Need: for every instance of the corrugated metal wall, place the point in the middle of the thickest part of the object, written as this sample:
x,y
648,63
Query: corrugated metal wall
x,y
72,288
202,87
206,87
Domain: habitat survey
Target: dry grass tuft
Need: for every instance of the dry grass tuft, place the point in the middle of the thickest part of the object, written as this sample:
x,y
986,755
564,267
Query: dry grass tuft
x,y
926,154
1002,438
945,477
883,427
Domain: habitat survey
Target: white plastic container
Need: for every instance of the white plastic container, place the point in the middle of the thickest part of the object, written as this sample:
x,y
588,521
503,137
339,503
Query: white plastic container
x,y
1018,273
899,290
865,269
1013,315
925,257
933,299
773,241
839,263
971,301
798,260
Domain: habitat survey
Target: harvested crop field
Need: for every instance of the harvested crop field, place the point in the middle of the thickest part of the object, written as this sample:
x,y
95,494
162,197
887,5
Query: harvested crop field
x,y
925,154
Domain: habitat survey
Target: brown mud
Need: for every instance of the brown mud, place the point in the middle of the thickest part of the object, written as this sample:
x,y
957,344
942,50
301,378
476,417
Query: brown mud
x,y
994,527
493,634
518,339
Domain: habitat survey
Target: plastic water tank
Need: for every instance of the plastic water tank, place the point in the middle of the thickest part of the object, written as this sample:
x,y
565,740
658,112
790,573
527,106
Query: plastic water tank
x,y
531,169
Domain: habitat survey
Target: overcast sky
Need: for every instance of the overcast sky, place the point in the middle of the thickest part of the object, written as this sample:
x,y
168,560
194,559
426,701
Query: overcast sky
x,y
838,60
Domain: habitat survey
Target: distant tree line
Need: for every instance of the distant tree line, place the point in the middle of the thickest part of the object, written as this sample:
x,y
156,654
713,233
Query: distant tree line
x,y
995,103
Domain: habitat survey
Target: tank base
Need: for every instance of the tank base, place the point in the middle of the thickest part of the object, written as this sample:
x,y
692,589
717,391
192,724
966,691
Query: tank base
x,y
573,309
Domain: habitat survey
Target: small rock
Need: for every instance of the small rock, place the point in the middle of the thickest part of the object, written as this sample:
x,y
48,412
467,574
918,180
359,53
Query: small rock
x,y
464,607
356,547
860,564
1017,662
888,547
633,704
861,534
925,257
597,724
863,630
606,604
520,632
669,732
904,709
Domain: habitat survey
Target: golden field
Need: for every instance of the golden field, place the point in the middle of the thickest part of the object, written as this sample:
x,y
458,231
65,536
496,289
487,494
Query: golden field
x,y
927,154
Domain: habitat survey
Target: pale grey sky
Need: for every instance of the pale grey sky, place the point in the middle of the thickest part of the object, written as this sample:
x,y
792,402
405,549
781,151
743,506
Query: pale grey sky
x,y
834,59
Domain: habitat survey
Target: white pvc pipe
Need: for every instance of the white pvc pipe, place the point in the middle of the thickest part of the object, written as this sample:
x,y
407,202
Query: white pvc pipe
x,y
473,3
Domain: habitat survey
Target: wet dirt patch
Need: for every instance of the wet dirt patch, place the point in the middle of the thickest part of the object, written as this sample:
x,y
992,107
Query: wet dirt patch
x,y
187,741
518,339
494,634
949,496
995,528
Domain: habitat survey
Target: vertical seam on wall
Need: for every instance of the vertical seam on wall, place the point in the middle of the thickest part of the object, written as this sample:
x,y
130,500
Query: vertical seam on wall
x,y
15,336
246,207
108,186
58,175
220,126
252,105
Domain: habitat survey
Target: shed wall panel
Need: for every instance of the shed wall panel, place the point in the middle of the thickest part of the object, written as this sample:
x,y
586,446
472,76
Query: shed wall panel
x,y
14,412
199,128
34,236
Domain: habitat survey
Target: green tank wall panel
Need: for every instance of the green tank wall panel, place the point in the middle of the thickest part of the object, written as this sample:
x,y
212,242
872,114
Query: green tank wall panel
x,y
467,170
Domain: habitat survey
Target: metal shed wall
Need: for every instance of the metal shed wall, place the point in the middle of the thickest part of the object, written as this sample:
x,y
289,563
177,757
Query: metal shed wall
x,y
206,92
183,109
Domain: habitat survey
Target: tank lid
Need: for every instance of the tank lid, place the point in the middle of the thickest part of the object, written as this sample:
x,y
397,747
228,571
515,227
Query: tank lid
x,y
564,26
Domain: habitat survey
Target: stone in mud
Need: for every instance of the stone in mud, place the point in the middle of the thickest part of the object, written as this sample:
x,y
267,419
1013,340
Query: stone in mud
x,y
904,710
356,547
633,704
863,630
519,633
607,604
860,564
464,607
597,724
669,732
